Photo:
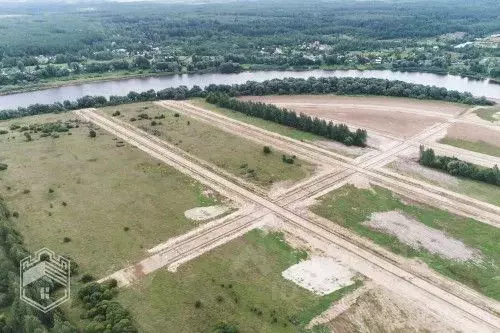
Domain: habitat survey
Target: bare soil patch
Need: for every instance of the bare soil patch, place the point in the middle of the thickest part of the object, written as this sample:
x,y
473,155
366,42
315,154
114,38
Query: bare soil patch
x,y
474,133
395,116
205,213
381,311
337,146
321,275
408,166
417,235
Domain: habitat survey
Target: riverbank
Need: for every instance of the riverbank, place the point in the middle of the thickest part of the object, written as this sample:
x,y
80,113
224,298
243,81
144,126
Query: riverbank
x,y
102,77
140,82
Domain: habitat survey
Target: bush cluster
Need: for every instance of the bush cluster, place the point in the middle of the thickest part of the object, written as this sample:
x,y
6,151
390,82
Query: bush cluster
x,y
303,122
457,167
105,315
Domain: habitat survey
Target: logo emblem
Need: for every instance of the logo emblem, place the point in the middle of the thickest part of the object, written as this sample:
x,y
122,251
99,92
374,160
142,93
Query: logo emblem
x,y
44,280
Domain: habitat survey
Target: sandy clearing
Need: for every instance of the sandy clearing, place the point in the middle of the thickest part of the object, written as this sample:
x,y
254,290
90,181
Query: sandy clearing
x,y
417,235
474,133
409,166
337,146
383,102
381,311
341,306
360,181
205,213
320,275
400,121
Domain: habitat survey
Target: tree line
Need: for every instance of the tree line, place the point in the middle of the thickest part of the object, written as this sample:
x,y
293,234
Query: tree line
x,y
457,167
303,122
287,86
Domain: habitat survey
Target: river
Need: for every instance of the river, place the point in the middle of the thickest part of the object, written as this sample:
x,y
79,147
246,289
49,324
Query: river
x,y
123,86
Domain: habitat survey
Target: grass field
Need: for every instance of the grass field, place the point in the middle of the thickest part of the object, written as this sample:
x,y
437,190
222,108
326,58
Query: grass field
x,y
239,285
482,191
100,204
349,207
477,146
489,114
232,153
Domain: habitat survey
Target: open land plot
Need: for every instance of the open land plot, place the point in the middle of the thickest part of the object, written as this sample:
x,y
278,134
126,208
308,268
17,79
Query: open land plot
x,y
102,202
399,117
290,132
237,285
478,244
489,114
474,138
393,314
479,190
240,157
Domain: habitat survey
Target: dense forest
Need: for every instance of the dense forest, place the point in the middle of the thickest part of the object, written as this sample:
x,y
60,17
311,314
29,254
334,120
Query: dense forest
x,y
91,40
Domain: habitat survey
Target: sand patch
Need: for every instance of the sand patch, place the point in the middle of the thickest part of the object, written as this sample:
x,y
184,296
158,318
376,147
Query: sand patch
x,y
320,275
407,166
381,311
360,181
417,235
205,213
342,148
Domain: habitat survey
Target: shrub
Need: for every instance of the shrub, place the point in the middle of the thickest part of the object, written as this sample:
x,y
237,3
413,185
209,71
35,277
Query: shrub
x,y
154,123
66,239
177,115
51,190
116,113
15,214
92,133
26,191
27,136
133,119
3,166
197,304
64,203
3,132
288,160
266,150
86,278
226,328
126,228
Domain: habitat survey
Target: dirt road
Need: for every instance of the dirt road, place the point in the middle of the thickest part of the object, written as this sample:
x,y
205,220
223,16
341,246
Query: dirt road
x,y
370,167
475,314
